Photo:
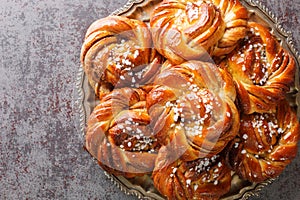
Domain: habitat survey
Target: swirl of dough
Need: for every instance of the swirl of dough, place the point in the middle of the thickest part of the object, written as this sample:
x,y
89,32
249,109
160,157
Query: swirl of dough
x,y
117,52
119,136
192,30
192,109
262,70
266,143
204,178
236,20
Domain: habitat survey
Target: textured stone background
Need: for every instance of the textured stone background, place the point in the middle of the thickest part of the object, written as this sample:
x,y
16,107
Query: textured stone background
x,y
41,147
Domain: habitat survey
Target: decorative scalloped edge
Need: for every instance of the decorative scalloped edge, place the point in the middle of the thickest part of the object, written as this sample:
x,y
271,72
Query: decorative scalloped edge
x,y
279,29
257,189
79,101
123,188
126,7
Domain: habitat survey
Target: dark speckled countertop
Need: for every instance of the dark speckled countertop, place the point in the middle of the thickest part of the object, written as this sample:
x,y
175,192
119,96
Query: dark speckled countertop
x,y
41,146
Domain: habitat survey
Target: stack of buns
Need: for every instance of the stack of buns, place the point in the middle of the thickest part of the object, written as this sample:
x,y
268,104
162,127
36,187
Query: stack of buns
x,y
193,96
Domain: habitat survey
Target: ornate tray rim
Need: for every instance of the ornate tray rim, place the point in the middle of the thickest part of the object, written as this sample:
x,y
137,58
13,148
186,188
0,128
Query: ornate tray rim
x,y
269,17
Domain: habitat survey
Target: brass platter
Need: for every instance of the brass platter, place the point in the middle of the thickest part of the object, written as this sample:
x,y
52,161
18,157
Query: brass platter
x,y
142,187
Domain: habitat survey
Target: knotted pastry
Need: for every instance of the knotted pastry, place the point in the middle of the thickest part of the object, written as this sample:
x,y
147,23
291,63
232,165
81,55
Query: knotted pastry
x,y
117,52
192,109
266,144
263,71
118,135
189,29
205,178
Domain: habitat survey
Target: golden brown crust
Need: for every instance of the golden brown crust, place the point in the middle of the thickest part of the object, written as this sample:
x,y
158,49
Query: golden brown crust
x,y
236,19
180,120
267,143
263,71
188,30
205,179
119,136
117,52
192,109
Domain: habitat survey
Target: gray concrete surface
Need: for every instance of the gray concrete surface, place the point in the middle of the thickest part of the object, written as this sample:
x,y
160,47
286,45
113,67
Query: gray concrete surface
x,y
41,147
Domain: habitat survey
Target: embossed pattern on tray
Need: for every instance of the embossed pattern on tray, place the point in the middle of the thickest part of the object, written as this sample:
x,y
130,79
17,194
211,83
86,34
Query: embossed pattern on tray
x,y
142,187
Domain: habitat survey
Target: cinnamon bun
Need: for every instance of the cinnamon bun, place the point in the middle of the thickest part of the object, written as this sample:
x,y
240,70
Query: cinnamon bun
x,y
117,52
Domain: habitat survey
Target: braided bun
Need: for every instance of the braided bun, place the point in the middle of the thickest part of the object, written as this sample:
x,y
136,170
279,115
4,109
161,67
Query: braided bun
x,y
267,143
263,71
188,30
118,135
206,178
117,52
191,107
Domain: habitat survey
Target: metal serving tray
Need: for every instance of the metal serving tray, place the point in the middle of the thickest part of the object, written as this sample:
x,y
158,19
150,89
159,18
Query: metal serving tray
x,y
142,187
